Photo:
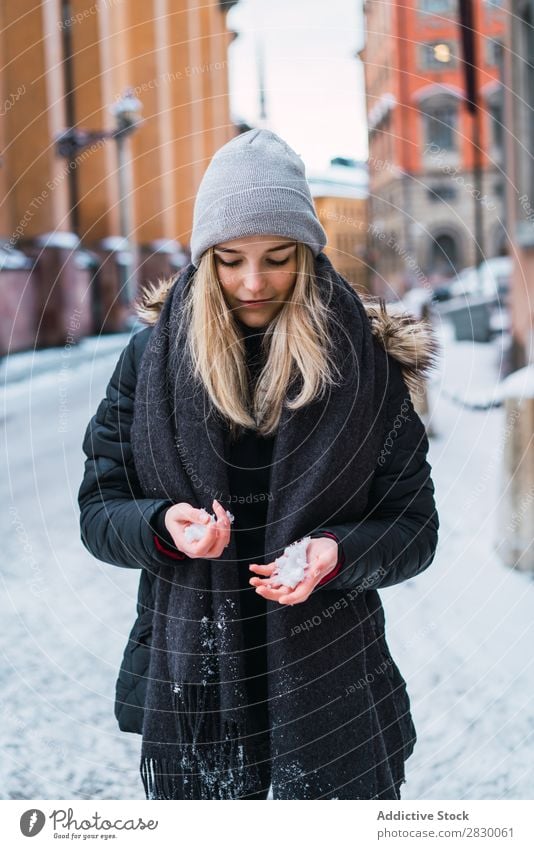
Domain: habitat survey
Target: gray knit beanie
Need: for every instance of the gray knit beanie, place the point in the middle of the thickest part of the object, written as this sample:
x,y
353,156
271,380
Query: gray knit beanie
x,y
254,185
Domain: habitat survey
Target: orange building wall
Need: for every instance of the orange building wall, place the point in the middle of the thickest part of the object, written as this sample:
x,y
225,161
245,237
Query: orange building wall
x,y
399,170
37,196
395,32
97,64
174,53
6,108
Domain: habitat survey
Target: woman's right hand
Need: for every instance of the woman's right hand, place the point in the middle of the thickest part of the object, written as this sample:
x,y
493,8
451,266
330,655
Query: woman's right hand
x,y
217,536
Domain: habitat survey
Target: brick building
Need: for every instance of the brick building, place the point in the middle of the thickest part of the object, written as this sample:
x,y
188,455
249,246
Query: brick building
x,y
65,65
518,112
421,203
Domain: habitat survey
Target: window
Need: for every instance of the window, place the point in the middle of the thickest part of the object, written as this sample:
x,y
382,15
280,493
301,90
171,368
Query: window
x,y
443,191
438,55
438,7
498,190
495,111
494,52
441,124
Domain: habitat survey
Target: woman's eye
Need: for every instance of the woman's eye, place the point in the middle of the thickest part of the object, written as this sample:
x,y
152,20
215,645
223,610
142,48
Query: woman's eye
x,y
229,264
277,262
237,262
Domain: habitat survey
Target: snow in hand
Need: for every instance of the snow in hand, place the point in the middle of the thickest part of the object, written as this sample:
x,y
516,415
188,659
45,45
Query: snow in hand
x,y
291,565
196,530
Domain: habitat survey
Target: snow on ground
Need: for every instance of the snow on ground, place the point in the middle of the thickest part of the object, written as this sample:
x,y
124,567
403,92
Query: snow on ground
x,y
461,633
66,616
26,365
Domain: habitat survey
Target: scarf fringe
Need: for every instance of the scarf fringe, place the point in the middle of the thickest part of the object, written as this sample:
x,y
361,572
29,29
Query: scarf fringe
x,y
212,763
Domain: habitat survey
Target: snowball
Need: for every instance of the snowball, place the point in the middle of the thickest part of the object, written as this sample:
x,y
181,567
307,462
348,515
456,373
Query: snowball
x,y
291,565
196,530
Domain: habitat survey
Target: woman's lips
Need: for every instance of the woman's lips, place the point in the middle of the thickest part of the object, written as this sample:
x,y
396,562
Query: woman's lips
x,y
255,303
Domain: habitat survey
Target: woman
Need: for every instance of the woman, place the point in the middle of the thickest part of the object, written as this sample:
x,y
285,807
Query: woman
x,y
266,389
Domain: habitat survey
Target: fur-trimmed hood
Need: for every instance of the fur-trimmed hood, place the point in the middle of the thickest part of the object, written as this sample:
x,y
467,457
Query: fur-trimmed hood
x,y
411,341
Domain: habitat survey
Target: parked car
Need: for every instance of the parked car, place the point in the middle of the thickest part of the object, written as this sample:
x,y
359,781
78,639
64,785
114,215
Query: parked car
x,y
466,282
442,293
496,275
417,300
492,279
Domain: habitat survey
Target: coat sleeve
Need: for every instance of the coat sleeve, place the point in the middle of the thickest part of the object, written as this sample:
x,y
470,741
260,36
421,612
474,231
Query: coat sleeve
x,y
397,537
117,523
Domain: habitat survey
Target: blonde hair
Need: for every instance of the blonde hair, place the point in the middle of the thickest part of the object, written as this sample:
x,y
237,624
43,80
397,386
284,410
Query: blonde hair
x,y
295,341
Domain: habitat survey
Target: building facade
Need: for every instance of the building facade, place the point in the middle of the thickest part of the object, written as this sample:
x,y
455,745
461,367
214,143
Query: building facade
x,y
422,192
65,66
518,117
340,197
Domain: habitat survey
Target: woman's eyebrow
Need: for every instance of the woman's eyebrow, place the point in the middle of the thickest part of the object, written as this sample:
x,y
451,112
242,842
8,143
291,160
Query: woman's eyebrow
x,y
270,250
281,247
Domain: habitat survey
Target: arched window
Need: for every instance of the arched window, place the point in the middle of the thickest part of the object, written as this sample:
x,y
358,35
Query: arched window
x,y
440,121
444,254
439,107
493,95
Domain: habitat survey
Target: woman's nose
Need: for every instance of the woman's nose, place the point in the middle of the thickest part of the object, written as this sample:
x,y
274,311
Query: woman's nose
x,y
254,282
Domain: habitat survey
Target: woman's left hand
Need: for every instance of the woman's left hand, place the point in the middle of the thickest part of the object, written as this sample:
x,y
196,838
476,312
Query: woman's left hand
x,y
321,557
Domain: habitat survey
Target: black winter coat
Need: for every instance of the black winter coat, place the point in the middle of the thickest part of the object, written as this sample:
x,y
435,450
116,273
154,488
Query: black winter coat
x,y
395,541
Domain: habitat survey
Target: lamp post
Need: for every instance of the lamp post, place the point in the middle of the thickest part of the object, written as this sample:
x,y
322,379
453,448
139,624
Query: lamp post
x,y
469,38
126,111
70,142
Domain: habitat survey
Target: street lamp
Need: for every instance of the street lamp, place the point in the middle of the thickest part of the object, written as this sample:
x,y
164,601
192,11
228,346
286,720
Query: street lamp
x,y
127,113
469,37
70,142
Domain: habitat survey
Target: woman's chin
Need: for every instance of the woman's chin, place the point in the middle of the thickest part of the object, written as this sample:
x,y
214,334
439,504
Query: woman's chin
x,y
254,317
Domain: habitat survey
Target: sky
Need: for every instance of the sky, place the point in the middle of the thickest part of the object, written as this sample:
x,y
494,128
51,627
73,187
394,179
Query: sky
x,y
313,81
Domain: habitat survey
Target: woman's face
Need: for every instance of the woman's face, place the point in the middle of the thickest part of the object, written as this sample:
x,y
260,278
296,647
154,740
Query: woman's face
x,y
253,269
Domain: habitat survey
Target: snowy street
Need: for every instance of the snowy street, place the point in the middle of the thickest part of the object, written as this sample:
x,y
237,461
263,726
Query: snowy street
x,y
461,633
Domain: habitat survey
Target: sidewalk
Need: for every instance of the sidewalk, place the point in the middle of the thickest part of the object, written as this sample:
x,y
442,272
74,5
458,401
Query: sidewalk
x,y
27,365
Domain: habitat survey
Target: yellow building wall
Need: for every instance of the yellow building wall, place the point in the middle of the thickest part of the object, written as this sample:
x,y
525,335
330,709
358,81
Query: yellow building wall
x,y
345,222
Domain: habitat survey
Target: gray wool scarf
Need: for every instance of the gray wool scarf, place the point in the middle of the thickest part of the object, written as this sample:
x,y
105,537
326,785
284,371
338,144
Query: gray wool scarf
x,y
329,739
